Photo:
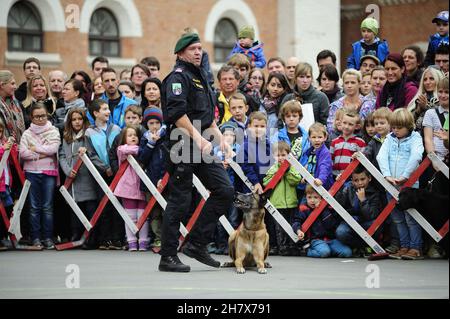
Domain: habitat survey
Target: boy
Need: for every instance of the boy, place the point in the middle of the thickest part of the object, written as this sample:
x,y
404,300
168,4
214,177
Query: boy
x,y
246,45
381,121
241,64
343,147
370,44
152,156
284,196
440,37
100,136
292,133
238,109
361,200
321,231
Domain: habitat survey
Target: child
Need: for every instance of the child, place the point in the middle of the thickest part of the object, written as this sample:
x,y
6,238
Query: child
x,y
370,44
284,196
241,64
293,133
361,200
83,188
366,87
343,147
100,138
337,125
440,37
399,156
317,157
6,179
382,128
128,89
321,231
368,130
238,109
127,189
277,88
38,150
246,45
153,157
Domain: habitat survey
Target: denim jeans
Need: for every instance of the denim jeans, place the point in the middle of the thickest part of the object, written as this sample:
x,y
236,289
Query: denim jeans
x,y
349,237
409,231
41,201
328,248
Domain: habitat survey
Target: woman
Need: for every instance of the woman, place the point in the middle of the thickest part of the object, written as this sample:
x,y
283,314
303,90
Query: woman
x,y
328,80
87,84
398,91
378,78
306,93
276,89
38,90
352,100
98,88
73,98
256,83
427,95
151,93
413,58
10,110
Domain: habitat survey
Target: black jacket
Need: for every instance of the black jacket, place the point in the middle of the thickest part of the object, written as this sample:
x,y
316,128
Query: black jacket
x,y
21,92
368,210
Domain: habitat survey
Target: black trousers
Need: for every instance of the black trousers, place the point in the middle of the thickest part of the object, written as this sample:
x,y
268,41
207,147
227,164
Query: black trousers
x,y
215,179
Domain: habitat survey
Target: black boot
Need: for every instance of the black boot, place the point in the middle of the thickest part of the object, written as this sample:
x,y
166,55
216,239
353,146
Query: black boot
x,y
172,264
200,253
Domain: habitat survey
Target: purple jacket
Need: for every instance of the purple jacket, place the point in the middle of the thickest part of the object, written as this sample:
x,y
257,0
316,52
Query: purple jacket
x,y
324,164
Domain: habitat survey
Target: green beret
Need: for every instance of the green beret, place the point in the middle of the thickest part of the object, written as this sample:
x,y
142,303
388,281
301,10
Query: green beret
x,y
185,41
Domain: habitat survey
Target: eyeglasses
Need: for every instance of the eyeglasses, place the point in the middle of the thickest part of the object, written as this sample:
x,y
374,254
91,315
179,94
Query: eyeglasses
x,y
40,117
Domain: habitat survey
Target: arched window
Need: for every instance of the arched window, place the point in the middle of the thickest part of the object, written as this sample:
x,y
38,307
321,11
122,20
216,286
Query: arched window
x,y
104,37
24,28
225,36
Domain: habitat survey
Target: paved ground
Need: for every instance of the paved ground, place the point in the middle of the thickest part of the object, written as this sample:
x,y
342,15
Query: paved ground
x,y
121,274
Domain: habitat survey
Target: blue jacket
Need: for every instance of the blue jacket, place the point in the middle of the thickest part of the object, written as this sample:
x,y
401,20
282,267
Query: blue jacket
x,y
117,116
153,158
255,53
324,164
354,60
283,136
400,158
235,148
433,43
102,142
323,227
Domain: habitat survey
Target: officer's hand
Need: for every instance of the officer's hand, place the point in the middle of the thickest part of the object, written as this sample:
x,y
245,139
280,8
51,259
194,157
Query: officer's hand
x,y
205,146
226,149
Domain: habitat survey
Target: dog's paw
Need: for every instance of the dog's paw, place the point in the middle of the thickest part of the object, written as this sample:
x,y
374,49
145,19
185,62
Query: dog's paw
x,y
240,270
262,271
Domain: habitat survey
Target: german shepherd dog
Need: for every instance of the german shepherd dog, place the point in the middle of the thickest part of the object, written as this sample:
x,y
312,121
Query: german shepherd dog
x,y
249,244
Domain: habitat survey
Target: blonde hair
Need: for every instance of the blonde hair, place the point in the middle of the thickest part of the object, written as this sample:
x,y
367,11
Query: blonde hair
x,y
437,75
402,118
135,109
443,84
382,113
6,76
280,147
352,72
257,115
318,127
353,114
238,96
303,69
239,60
29,99
292,106
310,190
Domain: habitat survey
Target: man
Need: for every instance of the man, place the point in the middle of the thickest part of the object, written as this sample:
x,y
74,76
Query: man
x,y
98,65
228,83
153,65
368,63
276,65
325,57
188,99
441,58
117,101
291,63
31,67
56,79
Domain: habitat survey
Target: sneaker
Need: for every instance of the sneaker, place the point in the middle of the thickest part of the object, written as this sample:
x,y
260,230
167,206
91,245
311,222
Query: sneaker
x,y
156,250
368,252
104,245
132,246
399,253
435,252
157,243
3,247
49,244
199,252
392,249
413,254
37,243
143,245
116,245
172,264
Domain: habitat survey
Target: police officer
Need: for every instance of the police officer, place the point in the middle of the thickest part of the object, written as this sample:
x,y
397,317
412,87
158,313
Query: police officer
x,y
188,105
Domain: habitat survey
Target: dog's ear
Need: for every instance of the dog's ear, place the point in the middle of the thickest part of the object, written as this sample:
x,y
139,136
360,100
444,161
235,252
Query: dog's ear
x,y
263,198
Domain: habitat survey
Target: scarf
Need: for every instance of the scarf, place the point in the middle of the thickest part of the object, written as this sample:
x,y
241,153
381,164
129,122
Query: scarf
x,y
13,117
76,103
38,130
332,93
270,104
393,94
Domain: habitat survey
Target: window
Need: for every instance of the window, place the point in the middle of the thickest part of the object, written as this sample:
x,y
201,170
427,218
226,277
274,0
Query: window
x,y
225,36
104,34
24,28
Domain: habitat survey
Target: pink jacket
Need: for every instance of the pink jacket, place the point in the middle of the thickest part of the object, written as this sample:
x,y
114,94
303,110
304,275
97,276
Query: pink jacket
x,y
129,184
46,140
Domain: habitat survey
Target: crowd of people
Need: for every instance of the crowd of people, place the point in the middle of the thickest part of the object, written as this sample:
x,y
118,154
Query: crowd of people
x,y
392,107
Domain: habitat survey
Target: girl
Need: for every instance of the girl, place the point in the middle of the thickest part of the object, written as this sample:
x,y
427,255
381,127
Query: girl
x,y
98,88
399,156
128,189
83,188
368,130
38,148
72,94
366,86
378,78
352,100
38,90
328,80
427,95
151,93
276,90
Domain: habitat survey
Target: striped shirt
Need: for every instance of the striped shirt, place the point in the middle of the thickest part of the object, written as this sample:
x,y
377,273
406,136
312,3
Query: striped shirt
x,y
342,150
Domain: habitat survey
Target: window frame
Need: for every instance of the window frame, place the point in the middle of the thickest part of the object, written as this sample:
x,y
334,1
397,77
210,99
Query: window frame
x,y
103,39
23,33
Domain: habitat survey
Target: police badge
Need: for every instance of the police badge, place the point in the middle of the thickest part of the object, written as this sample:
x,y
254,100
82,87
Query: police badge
x,y
176,88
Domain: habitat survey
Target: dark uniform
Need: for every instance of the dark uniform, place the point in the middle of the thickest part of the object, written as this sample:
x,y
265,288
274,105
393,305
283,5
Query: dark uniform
x,y
185,91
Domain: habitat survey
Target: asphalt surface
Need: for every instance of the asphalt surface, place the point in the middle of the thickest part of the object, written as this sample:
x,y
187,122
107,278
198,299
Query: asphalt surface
x,y
123,274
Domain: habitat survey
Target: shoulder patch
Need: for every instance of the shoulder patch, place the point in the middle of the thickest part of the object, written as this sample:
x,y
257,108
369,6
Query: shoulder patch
x,y
176,88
